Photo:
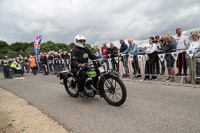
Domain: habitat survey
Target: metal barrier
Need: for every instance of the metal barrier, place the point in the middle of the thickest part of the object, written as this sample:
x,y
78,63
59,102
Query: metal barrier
x,y
130,66
155,70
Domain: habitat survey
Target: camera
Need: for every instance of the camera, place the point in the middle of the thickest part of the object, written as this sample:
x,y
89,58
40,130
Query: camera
x,y
155,41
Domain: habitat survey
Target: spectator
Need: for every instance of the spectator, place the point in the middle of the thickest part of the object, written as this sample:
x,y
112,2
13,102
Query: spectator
x,y
182,44
112,53
33,65
56,59
50,61
195,47
153,57
27,66
133,50
98,53
66,60
169,46
124,58
39,64
61,61
194,42
160,47
44,63
105,53
147,68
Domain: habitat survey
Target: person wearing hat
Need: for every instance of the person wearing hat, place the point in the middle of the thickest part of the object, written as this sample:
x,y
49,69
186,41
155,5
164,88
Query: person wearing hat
x,y
79,59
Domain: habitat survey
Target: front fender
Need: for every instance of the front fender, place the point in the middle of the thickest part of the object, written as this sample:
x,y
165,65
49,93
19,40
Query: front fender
x,y
111,74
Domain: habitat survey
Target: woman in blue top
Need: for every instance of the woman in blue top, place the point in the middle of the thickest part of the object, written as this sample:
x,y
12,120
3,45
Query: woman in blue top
x,y
98,53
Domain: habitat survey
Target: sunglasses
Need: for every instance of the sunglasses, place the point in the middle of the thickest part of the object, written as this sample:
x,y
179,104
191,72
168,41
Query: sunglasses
x,y
194,35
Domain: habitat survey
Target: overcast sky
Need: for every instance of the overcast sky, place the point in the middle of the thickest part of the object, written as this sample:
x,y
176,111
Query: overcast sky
x,y
99,20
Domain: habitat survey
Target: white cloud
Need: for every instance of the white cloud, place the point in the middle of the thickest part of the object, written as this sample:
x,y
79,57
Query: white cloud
x,y
100,21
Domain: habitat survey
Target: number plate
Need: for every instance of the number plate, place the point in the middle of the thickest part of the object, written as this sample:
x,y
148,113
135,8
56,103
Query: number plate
x,y
101,69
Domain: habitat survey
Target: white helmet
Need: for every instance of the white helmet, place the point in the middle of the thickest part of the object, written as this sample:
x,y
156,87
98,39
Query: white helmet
x,y
77,40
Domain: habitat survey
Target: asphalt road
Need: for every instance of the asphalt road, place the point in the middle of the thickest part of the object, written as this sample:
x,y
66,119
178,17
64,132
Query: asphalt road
x,y
150,108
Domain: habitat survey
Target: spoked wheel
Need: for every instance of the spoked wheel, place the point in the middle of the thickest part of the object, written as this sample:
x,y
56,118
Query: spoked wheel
x,y
71,86
114,91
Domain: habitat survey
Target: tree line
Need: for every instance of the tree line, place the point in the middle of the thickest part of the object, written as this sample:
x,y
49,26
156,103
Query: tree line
x,y
25,48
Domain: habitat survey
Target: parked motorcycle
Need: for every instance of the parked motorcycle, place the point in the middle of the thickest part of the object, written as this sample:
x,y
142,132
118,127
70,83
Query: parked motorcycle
x,y
8,72
109,85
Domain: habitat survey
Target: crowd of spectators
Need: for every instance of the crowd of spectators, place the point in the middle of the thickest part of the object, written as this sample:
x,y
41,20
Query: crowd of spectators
x,y
55,62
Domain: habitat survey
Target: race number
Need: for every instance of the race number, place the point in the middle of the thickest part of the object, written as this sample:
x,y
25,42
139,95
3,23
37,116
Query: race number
x,y
101,69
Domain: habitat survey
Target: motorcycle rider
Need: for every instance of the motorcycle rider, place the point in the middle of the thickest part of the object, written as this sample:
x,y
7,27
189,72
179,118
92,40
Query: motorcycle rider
x,y
79,59
5,63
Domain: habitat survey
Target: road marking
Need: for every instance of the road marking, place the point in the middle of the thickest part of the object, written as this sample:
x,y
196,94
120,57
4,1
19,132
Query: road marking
x,y
20,78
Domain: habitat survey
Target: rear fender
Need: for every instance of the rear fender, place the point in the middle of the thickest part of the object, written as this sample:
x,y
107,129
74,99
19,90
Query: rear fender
x,y
65,75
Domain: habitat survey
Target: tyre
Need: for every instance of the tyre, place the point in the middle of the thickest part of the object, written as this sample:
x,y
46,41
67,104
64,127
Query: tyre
x,y
22,73
71,86
5,75
10,75
114,91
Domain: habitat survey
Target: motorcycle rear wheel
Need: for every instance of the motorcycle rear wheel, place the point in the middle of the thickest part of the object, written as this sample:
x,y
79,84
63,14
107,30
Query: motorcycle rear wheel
x,y
71,87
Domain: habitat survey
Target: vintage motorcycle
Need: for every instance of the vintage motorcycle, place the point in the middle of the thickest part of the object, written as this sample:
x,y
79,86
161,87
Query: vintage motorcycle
x,y
109,85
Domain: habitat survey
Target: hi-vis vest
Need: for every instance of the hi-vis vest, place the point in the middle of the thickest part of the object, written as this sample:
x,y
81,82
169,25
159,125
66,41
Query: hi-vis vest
x,y
15,65
5,62
32,62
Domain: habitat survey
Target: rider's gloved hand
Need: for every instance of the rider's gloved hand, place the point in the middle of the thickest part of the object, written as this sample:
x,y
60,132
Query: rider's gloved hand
x,y
82,65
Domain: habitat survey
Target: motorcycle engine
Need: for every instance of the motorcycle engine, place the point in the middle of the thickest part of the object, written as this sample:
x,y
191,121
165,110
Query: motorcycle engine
x,y
88,88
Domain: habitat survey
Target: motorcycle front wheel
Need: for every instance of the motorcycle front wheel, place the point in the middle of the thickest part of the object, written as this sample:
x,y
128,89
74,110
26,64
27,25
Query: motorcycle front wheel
x,y
71,86
114,91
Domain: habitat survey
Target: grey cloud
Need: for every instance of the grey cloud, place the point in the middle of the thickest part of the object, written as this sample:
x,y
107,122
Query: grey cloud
x,y
100,21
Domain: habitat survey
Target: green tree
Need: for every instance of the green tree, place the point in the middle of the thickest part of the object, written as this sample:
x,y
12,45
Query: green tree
x,y
4,47
12,54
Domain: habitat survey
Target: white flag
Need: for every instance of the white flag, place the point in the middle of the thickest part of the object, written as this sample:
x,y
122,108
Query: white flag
x,y
139,57
109,60
131,57
190,52
175,55
116,59
161,56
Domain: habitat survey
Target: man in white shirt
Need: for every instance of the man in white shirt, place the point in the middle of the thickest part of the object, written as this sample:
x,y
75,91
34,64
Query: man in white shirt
x,y
182,44
153,57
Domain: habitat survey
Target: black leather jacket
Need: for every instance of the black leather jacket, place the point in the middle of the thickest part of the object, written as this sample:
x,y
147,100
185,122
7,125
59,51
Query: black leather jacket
x,y
81,55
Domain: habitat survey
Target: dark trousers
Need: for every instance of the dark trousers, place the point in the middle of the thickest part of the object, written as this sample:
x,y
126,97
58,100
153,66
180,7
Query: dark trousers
x,y
157,66
45,68
135,65
107,64
150,70
181,63
34,70
82,76
153,71
162,67
147,70
115,65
